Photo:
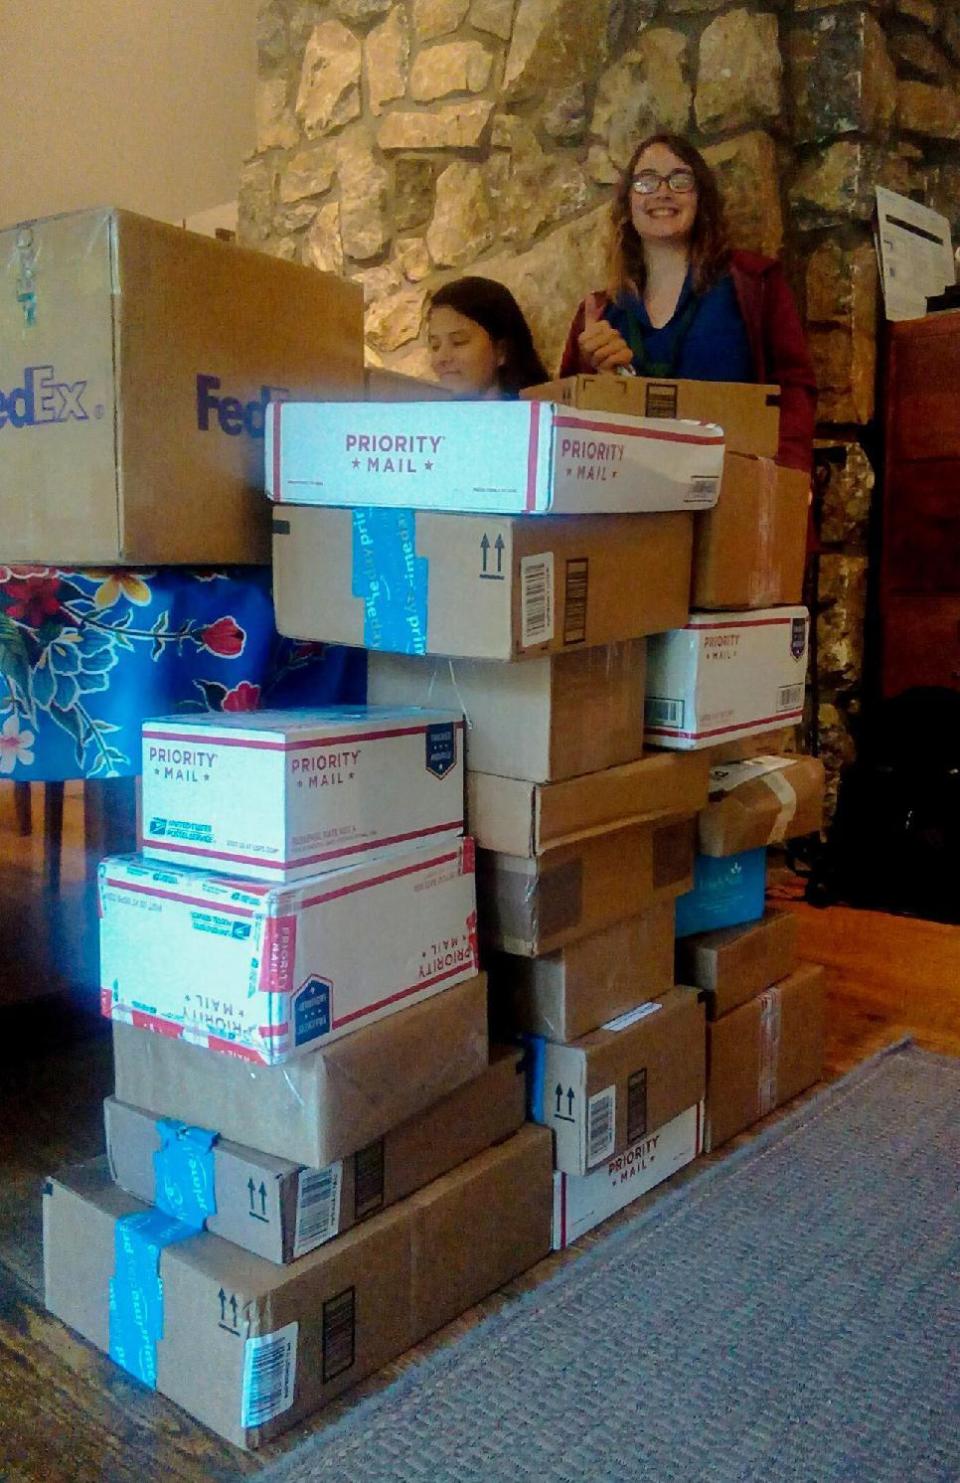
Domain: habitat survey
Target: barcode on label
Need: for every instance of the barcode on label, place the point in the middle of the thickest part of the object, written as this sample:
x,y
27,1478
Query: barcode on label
x,y
575,601
703,488
789,697
536,599
318,1207
661,399
601,1125
269,1376
637,1106
339,1333
660,711
368,1180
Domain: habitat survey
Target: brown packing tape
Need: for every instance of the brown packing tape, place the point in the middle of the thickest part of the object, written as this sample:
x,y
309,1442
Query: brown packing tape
x,y
770,1033
763,584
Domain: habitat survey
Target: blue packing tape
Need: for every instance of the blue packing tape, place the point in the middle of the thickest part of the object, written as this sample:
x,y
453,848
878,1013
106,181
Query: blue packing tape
x,y
536,1071
183,1167
391,580
136,1289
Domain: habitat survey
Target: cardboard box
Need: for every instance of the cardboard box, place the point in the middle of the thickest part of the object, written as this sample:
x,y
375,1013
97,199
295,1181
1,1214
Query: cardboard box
x,y
749,551
280,795
250,1348
744,748
725,892
406,582
761,802
545,720
535,906
608,1090
764,1053
323,1106
521,818
565,994
272,972
726,675
749,415
382,385
138,361
281,1210
479,1226
489,458
734,964
583,1201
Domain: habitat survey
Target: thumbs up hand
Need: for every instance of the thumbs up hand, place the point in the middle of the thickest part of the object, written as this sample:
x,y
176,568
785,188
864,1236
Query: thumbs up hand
x,y
601,346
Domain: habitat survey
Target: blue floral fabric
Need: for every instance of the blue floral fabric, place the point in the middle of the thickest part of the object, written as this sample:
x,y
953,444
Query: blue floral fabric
x,y
86,656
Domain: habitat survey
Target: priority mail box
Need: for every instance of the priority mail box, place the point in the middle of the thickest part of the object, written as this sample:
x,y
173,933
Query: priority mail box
x,y
278,1208
760,802
413,582
726,675
551,718
748,414
583,1201
250,1348
608,1090
522,818
734,964
563,995
535,905
271,972
765,1052
320,1107
749,551
496,458
278,795
136,364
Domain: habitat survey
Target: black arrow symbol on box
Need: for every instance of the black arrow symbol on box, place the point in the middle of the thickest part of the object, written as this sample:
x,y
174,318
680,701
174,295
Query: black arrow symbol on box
x,y
223,1304
233,1308
498,547
263,1199
485,547
559,1097
570,1101
253,1189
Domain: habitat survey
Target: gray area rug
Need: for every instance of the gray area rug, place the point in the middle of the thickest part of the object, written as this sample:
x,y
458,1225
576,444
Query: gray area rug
x,y
793,1313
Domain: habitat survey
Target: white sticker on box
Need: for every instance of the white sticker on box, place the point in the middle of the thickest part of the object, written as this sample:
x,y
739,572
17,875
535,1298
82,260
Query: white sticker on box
x,y
269,1376
601,1125
624,1021
536,599
318,1207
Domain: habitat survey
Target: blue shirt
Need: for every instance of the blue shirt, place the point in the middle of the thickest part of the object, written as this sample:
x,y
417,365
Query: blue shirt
x,y
715,346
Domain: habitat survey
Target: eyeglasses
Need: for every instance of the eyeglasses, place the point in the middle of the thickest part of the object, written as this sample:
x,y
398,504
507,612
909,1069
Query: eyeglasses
x,y
648,181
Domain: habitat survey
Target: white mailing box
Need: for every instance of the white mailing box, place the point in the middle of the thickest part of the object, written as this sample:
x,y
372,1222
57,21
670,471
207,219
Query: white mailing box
x,y
271,972
489,458
726,675
279,795
582,1201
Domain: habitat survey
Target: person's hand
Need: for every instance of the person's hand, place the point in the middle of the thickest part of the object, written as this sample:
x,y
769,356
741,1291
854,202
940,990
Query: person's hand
x,y
601,346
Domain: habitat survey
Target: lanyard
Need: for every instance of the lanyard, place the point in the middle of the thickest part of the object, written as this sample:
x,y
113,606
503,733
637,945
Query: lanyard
x,y
635,338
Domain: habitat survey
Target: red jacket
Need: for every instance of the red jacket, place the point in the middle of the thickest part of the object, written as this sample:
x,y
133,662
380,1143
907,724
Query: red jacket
x,y
777,343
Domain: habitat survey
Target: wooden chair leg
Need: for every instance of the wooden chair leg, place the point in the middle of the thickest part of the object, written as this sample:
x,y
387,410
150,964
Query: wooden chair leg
x,y
52,833
23,808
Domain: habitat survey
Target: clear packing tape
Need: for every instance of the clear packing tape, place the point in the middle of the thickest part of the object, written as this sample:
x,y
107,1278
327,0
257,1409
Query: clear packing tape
x,y
771,1001
764,582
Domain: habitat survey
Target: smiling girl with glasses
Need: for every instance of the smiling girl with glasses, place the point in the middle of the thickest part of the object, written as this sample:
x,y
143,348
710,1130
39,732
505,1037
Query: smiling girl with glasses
x,y
680,303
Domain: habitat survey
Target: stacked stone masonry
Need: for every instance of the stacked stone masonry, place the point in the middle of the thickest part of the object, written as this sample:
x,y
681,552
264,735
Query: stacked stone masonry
x,y
403,142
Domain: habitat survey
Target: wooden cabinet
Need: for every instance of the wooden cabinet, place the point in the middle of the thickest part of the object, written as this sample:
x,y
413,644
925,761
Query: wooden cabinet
x,y
919,560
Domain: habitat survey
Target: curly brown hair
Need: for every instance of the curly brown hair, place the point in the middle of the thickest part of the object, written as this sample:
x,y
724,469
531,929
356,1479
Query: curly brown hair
x,y
709,248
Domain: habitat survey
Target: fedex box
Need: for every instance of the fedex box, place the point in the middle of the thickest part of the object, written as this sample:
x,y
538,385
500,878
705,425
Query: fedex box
x,y
508,458
136,364
582,1201
726,675
271,972
478,587
278,795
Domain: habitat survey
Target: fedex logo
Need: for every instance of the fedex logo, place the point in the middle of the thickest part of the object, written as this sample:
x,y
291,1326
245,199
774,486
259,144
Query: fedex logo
x,y
42,399
233,416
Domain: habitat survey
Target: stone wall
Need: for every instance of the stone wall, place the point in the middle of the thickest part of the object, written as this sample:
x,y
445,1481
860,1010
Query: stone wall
x,y
403,142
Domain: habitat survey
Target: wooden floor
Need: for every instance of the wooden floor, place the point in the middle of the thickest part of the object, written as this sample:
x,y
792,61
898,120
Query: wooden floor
x,y
67,1413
